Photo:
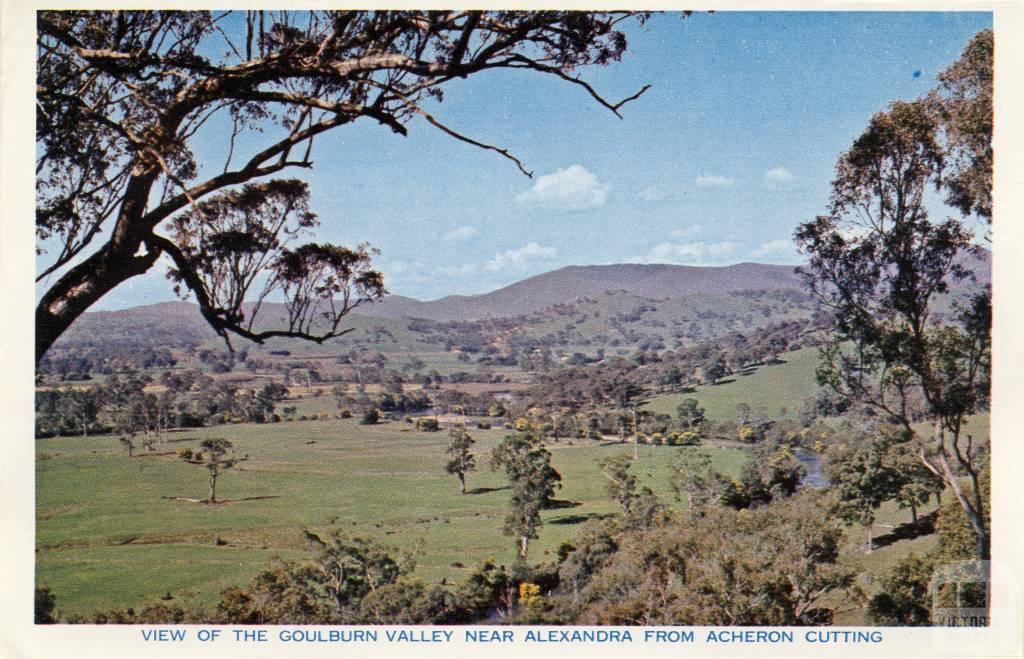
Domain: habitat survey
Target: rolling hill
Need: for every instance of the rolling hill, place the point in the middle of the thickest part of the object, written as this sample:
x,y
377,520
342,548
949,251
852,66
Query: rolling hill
x,y
572,282
712,296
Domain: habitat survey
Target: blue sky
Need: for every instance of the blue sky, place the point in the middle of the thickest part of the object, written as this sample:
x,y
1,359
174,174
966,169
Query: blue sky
x,y
730,149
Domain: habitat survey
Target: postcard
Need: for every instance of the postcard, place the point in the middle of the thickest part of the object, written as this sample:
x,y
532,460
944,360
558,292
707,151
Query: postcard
x,y
436,331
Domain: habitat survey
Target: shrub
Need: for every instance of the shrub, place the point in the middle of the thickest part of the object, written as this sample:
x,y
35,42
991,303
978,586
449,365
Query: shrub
x,y
747,434
370,417
688,438
44,606
428,424
185,453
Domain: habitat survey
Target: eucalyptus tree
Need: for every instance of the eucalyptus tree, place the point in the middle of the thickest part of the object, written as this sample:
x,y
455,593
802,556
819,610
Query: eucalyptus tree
x,y
217,455
460,457
528,466
881,263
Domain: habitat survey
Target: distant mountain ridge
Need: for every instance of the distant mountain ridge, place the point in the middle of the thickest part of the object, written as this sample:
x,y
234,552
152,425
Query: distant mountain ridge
x,y
180,323
575,281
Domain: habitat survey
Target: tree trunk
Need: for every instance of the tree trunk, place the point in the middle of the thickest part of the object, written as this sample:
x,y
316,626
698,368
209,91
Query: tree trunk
x,y
913,513
636,438
213,487
81,287
973,516
524,546
871,540
462,483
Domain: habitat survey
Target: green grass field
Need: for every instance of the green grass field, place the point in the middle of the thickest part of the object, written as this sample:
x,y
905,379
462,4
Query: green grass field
x,y
769,387
110,534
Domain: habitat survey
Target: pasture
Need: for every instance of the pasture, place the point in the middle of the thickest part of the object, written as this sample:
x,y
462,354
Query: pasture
x,y
769,387
111,534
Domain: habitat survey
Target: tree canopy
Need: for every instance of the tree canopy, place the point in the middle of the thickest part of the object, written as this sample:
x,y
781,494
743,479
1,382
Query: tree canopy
x,y
883,265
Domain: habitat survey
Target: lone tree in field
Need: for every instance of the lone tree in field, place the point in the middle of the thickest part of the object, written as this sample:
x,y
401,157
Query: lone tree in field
x,y
880,263
217,456
123,97
528,467
460,459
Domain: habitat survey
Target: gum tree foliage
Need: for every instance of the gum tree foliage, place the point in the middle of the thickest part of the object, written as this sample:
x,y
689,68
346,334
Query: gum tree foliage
x,y
217,456
880,262
528,466
863,482
963,102
460,458
348,569
640,506
690,414
122,97
349,580
778,565
695,479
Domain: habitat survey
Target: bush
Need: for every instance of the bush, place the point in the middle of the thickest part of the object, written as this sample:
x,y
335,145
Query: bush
x,y
428,424
688,438
185,453
370,417
45,604
483,425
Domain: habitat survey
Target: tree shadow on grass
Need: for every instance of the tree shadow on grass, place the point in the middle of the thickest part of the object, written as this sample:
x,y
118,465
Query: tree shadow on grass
x,y
485,490
559,504
579,519
925,526
206,502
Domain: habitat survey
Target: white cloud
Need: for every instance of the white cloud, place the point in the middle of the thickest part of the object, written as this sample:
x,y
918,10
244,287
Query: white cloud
x,y
570,189
778,177
520,258
714,181
461,234
690,253
653,193
688,232
463,270
776,250
397,267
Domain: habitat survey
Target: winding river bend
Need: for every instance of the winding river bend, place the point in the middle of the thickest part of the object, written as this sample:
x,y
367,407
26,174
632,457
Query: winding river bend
x,y
811,461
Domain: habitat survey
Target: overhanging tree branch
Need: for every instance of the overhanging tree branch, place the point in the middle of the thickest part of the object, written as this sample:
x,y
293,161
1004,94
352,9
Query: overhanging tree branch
x,y
120,96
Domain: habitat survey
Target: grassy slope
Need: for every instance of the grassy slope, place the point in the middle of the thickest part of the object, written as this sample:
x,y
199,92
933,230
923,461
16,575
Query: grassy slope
x,y
107,538
770,387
